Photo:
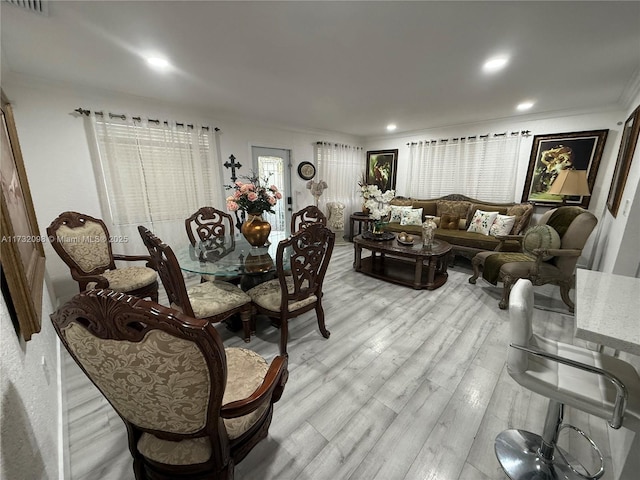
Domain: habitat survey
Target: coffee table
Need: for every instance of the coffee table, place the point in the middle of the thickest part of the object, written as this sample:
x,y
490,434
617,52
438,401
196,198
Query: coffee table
x,y
409,265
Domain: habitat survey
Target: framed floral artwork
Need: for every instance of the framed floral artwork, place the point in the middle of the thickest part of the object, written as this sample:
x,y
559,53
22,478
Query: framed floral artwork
x,y
382,168
553,153
623,164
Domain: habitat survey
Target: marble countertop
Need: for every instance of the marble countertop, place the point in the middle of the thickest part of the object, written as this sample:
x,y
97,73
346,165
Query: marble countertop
x,y
608,310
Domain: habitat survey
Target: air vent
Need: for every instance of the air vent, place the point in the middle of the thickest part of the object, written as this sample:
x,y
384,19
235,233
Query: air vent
x,y
36,6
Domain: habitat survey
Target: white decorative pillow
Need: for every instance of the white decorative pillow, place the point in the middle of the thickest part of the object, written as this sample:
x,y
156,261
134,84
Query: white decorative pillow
x,y
502,225
482,221
396,212
411,217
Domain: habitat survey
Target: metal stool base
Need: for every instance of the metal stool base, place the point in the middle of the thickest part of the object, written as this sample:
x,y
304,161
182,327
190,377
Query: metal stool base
x,y
517,452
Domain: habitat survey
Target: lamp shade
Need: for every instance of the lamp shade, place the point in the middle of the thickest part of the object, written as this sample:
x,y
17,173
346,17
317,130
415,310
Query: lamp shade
x,y
570,183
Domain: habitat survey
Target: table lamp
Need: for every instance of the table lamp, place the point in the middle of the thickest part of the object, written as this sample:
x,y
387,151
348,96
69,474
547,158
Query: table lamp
x,y
569,183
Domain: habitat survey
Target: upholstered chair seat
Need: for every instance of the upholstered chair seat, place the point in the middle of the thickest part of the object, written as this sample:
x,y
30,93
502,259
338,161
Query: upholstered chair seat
x,y
268,295
82,242
128,278
192,408
214,297
214,301
245,373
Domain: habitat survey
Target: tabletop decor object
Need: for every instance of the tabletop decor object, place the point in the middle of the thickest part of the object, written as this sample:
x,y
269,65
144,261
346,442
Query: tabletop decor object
x,y
377,202
317,189
428,231
255,199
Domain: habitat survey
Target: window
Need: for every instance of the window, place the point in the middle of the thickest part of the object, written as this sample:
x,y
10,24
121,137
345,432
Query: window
x,y
484,168
155,174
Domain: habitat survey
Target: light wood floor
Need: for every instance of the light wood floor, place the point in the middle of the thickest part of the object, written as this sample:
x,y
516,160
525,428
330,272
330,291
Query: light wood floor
x,y
410,385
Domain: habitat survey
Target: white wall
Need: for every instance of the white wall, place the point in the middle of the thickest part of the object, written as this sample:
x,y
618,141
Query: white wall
x,y
29,423
593,120
59,168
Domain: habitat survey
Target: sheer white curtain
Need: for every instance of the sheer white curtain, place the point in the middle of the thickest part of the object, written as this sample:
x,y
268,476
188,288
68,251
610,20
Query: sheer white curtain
x,y
340,166
480,167
153,174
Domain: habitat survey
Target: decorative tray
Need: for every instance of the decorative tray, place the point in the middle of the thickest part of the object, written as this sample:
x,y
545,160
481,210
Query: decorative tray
x,y
403,242
378,236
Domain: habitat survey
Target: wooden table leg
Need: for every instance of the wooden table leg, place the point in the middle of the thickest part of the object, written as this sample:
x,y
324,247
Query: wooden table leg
x,y
357,257
417,277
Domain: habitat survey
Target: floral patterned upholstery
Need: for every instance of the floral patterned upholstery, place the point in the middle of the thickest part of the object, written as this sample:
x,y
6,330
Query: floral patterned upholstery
x,y
268,295
128,278
245,372
86,245
212,298
167,375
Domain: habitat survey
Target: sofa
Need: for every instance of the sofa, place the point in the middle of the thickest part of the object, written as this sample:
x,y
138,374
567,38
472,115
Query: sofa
x,y
453,216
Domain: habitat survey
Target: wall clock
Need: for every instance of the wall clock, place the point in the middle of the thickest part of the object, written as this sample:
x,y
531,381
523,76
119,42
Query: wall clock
x,y
306,170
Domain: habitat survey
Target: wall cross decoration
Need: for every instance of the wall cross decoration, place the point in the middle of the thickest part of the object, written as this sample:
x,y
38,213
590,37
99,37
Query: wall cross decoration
x,y
232,165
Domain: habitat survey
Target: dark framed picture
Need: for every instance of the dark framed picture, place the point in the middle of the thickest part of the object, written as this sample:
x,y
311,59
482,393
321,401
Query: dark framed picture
x,y
382,166
553,153
623,164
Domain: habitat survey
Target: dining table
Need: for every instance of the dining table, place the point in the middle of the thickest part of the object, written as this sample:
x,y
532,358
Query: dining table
x,y
230,256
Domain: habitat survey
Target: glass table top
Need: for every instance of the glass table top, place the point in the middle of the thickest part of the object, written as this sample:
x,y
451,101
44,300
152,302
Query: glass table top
x,y
229,256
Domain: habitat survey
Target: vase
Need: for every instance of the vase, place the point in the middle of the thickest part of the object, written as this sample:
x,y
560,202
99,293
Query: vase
x,y
365,210
256,230
428,231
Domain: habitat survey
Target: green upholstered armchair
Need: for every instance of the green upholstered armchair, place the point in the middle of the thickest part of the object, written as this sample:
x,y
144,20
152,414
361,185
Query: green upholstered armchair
x,y
549,254
192,408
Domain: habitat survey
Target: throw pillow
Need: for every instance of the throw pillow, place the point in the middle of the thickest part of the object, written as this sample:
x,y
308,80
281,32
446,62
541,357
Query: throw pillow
x,y
452,207
482,221
411,217
523,212
449,222
502,225
541,236
396,213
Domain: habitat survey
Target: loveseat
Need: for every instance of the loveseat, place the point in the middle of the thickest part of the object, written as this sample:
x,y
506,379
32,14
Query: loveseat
x,y
453,215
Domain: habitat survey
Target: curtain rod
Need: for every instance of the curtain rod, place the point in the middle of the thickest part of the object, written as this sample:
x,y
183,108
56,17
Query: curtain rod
x,y
524,133
82,111
338,145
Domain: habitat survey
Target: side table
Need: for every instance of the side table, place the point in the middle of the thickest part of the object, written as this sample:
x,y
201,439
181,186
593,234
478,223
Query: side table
x,y
360,218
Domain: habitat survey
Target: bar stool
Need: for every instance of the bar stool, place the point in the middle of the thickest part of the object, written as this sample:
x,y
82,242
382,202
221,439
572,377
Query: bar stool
x,y
598,384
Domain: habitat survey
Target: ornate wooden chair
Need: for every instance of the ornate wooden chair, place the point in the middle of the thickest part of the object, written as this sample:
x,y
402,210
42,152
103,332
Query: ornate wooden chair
x,y
299,289
213,301
84,244
549,254
192,408
209,227
595,383
307,216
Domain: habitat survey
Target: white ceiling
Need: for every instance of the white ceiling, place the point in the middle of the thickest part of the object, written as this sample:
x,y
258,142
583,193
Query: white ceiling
x,y
350,67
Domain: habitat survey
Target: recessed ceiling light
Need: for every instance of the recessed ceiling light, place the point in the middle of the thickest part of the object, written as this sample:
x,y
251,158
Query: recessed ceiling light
x,y
495,64
158,63
391,127
524,106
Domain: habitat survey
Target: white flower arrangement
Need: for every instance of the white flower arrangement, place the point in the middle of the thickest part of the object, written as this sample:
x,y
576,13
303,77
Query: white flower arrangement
x,y
377,201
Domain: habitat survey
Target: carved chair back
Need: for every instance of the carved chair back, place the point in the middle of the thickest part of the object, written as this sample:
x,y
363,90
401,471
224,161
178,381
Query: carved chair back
x,y
167,266
208,223
307,216
82,242
310,251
